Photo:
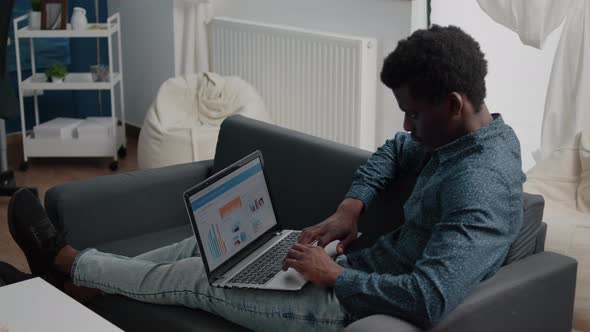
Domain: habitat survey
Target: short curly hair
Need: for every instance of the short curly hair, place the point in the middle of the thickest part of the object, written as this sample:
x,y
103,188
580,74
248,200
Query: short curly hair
x,y
437,61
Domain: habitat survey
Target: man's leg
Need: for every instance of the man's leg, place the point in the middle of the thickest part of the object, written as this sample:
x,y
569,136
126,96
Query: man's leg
x,y
184,282
177,251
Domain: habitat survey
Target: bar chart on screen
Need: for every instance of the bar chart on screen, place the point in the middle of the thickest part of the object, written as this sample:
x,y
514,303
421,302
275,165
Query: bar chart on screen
x,y
216,245
257,225
230,207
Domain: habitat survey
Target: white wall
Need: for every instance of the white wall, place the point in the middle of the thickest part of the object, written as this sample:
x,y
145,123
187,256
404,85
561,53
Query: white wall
x,y
148,51
153,36
178,17
518,75
386,20
516,83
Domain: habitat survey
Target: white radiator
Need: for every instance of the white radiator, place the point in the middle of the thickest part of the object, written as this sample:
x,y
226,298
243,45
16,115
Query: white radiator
x,y
319,83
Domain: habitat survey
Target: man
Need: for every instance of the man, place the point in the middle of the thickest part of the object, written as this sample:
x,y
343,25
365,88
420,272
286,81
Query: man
x,y
464,212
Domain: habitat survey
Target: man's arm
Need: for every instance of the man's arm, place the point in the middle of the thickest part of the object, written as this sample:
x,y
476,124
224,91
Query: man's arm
x,y
379,171
368,181
468,244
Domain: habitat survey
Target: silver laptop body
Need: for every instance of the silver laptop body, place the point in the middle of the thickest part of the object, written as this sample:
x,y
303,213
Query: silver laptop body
x,y
235,224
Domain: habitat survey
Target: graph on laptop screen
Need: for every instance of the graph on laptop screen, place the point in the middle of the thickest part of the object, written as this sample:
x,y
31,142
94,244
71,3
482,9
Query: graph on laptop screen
x,y
232,212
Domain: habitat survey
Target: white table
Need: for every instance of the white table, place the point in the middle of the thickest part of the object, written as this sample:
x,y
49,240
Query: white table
x,y
34,305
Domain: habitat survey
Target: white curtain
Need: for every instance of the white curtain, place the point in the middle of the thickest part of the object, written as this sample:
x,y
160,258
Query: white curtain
x,y
568,96
190,19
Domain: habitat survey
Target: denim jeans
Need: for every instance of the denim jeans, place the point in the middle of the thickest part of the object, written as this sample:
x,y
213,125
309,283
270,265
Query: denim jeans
x,y
175,275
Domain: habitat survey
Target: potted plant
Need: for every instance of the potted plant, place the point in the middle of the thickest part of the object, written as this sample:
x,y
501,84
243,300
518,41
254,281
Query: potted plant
x,y
35,15
56,73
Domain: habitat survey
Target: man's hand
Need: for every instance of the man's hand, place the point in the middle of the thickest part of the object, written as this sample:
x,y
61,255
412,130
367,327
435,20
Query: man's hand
x,y
314,264
342,225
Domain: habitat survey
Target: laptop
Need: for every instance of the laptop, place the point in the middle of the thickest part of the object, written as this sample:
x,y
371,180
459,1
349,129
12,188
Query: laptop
x,y
241,241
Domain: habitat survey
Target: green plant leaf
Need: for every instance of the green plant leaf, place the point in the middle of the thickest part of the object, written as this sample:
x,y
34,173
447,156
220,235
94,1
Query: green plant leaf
x,y
56,70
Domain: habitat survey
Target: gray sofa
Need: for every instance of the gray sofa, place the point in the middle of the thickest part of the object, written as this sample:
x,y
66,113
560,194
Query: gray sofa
x,y
132,213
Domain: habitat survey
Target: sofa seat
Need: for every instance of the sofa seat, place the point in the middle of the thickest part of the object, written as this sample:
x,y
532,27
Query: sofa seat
x,y
140,244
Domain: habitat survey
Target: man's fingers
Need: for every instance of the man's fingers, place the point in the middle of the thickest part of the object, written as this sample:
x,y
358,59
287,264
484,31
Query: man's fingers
x,y
340,249
294,254
348,240
325,240
299,247
308,235
291,263
344,244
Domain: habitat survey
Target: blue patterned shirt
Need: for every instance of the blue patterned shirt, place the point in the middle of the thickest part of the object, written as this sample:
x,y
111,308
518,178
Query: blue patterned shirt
x,y
463,214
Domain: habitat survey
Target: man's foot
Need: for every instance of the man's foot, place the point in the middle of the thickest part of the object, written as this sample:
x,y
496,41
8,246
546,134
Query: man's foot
x,y
10,275
34,233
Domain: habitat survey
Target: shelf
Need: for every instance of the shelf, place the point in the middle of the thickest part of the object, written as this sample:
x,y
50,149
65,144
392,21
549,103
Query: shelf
x,y
102,31
73,147
74,81
100,146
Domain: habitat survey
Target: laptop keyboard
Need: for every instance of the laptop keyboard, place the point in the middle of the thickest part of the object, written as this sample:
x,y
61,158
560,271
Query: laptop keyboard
x,y
268,265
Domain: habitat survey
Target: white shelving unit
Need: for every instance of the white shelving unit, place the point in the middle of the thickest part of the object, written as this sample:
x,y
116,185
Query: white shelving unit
x,y
114,145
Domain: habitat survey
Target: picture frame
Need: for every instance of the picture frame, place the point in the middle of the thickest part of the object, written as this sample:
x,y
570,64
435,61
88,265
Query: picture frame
x,y
54,14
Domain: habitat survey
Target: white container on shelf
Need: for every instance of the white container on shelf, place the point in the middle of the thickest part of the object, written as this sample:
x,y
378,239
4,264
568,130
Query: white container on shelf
x,y
78,20
62,128
34,20
95,128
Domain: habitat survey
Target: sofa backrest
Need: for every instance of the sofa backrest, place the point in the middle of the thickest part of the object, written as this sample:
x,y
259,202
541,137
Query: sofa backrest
x,y
309,176
531,238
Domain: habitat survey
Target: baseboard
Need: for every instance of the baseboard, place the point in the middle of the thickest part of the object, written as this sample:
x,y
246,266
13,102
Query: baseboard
x,y
132,131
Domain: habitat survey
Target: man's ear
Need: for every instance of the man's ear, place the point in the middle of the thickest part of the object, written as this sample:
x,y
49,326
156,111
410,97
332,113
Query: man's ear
x,y
455,103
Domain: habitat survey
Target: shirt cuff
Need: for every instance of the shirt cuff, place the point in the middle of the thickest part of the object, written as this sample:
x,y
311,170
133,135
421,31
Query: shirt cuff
x,y
362,193
348,284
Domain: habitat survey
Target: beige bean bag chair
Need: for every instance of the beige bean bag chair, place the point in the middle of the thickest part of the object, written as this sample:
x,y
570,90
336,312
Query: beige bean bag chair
x,y
182,124
564,181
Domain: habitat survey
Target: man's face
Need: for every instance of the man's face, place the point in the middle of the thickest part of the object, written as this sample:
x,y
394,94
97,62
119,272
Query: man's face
x,y
429,123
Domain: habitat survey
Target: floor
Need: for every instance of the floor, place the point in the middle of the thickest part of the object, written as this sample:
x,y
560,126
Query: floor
x,y
44,173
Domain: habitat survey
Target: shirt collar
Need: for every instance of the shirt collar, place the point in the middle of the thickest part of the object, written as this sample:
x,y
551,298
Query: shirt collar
x,y
471,140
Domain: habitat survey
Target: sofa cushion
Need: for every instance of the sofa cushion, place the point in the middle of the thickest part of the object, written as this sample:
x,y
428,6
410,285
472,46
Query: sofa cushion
x,y
131,315
527,242
137,245
117,207
302,170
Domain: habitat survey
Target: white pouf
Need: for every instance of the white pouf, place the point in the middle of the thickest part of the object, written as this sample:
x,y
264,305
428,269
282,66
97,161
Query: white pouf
x,y
563,178
183,122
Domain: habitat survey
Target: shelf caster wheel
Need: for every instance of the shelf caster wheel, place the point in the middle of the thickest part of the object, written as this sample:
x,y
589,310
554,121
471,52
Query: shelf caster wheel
x,y
11,183
122,152
7,179
114,166
24,166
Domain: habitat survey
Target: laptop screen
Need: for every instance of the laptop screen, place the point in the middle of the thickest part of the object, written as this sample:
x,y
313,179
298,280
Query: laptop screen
x,y
232,212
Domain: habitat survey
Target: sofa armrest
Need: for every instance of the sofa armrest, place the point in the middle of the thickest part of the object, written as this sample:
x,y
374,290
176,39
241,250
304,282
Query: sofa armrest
x,y
381,323
535,293
115,207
